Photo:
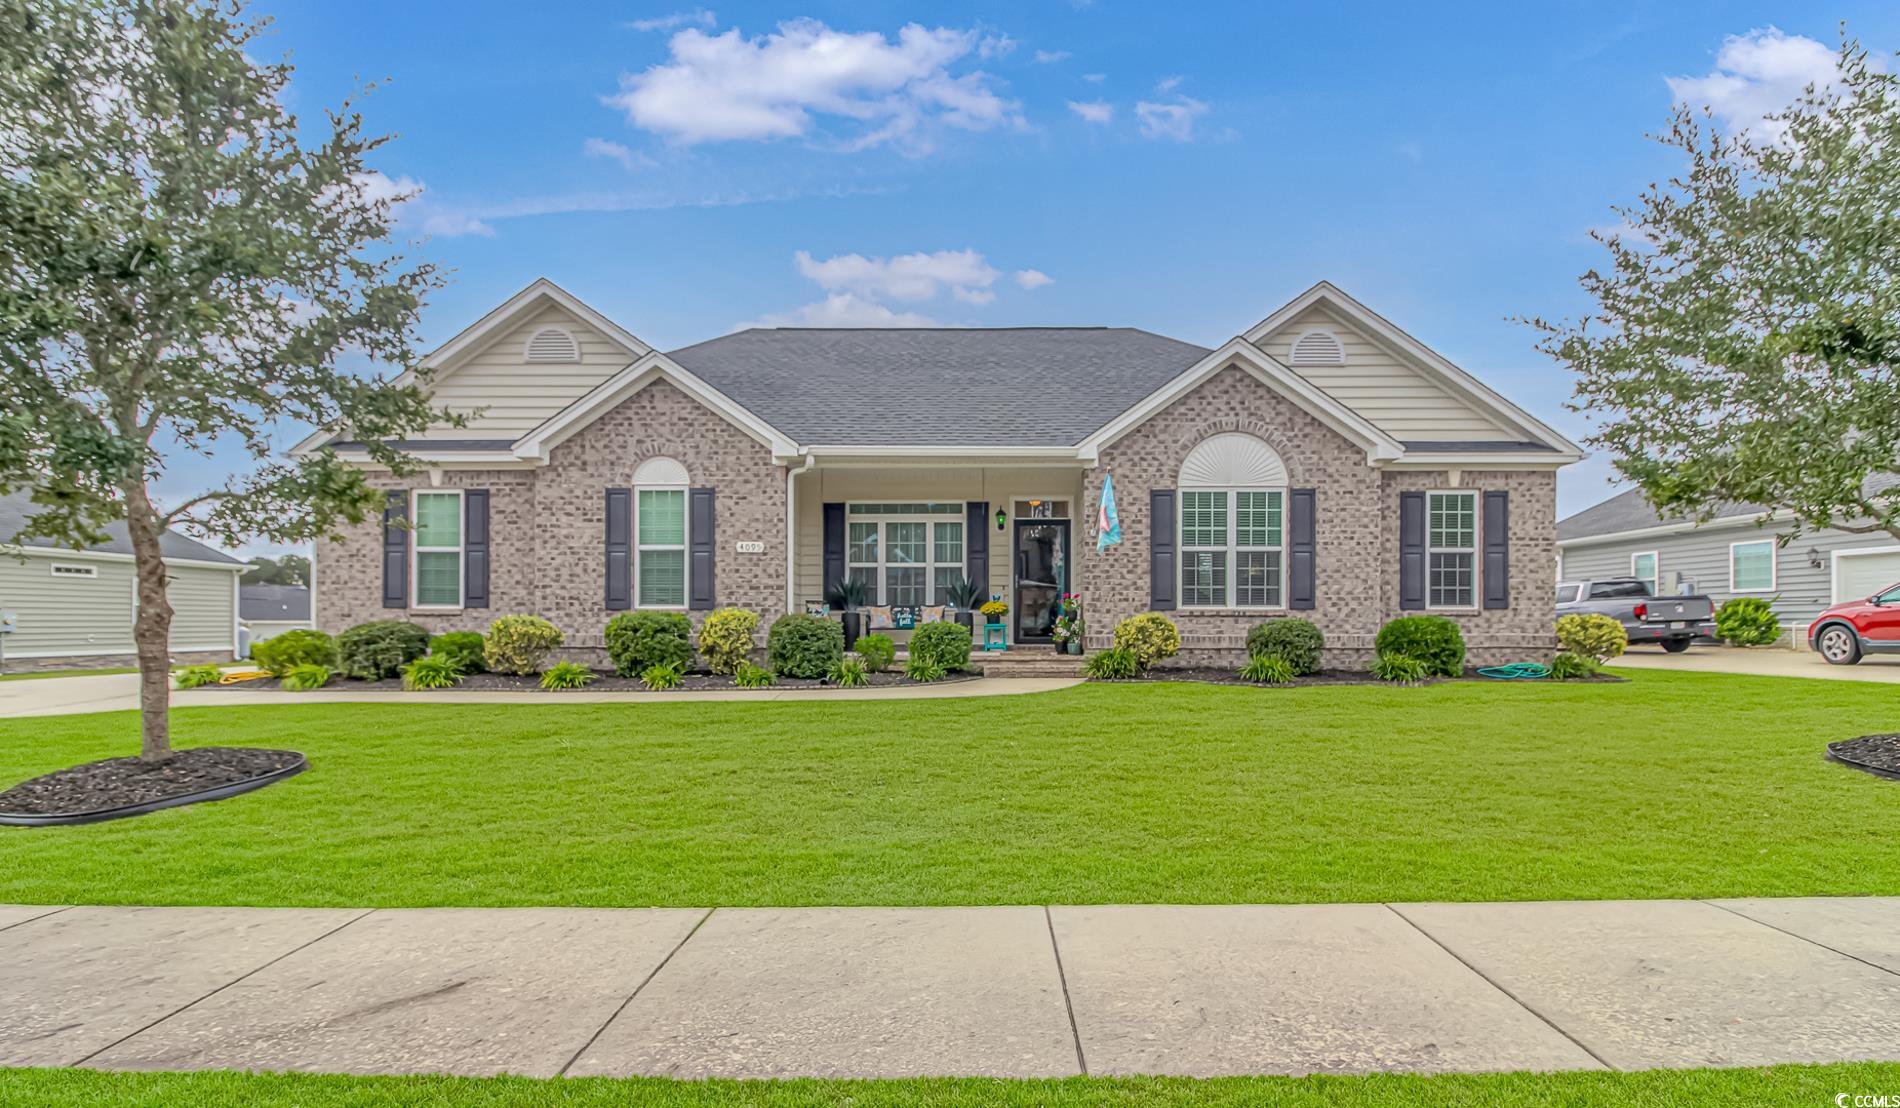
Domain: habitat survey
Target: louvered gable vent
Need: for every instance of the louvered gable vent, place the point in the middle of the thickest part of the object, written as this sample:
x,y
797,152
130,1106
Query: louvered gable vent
x,y
551,344
1318,348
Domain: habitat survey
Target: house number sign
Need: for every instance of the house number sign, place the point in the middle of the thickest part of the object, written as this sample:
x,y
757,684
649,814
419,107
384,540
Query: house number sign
x,y
749,547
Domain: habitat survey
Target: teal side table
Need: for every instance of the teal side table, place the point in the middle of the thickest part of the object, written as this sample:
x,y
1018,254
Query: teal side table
x,y
995,636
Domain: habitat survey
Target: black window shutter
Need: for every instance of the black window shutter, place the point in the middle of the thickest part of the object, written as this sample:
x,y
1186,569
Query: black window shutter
x,y
396,550
976,544
1497,548
475,548
834,547
1164,567
619,549
1300,594
1411,550
700,550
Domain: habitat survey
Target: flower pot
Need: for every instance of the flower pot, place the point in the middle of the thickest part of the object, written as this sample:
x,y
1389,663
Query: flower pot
x,y
968,620
1073,646
853,624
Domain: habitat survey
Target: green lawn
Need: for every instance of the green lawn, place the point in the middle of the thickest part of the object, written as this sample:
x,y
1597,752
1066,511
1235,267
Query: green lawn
x,y
1671,785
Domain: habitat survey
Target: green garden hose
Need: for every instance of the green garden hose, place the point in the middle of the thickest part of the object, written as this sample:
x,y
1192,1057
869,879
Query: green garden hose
x,y
1516,671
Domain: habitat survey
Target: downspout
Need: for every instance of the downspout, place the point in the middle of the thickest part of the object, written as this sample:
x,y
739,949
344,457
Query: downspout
x,y
791,529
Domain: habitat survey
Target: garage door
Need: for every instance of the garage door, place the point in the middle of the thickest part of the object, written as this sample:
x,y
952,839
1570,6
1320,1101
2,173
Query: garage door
x,y
1857,576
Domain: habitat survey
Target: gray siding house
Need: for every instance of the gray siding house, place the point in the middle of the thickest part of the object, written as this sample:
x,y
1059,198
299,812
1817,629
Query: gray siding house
x,y
1739,552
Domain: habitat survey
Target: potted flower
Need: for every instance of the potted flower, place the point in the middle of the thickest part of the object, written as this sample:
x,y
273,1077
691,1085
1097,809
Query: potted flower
x,y
965,596
848,596
994,609
1069,627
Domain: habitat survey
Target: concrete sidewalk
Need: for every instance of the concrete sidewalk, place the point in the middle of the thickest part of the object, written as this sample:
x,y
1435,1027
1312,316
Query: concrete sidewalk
x,y
1762,661
1004,991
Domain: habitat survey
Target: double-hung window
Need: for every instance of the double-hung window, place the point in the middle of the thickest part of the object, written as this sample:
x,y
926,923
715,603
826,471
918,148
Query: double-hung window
x,y
437,516
1644,567
905,554
660,550
1751,566
1231,548
1451,550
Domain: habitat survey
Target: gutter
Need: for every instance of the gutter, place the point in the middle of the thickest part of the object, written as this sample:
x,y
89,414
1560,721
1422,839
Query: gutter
x,y
791,528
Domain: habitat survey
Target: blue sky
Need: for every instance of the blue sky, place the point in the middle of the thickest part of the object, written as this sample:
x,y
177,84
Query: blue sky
x,y
1184,168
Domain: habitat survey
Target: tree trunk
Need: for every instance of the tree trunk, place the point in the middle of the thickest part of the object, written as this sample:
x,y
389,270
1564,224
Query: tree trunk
x,y
152,630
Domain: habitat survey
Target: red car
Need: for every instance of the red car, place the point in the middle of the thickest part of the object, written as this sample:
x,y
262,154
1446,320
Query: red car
x,y
1845,632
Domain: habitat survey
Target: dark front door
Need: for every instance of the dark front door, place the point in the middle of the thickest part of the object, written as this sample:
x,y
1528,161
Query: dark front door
x,y
1042,576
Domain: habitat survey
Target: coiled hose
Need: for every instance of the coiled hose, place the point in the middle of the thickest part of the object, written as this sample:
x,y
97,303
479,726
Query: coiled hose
x,y
1516,671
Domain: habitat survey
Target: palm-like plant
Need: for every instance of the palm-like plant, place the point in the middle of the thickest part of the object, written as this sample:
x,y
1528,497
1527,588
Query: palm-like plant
x,y
848,594
965,593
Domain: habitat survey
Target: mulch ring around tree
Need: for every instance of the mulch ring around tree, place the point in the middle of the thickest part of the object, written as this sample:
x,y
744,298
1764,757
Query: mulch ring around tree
x,y
603,682
119,787
1875,754
1210,676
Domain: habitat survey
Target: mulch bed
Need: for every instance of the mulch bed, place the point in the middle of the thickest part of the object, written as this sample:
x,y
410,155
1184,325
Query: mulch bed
x,y
126,782
604,682
1876,754
1338,677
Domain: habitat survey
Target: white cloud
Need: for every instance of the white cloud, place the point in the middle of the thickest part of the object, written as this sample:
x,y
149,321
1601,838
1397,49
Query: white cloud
x,y
698,17
718,88
630,159
410,208
1051,57
995,46
1755,74
842,310
1168,84
452,224
1033,278
1170,121
1093,111
907,277
1095,78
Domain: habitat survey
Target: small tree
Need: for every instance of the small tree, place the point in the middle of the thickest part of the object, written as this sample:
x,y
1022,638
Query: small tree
x,y
1747,329
291,569
180,266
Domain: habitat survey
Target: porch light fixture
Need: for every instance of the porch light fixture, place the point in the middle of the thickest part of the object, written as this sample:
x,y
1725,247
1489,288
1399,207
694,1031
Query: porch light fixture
x,y
1001,519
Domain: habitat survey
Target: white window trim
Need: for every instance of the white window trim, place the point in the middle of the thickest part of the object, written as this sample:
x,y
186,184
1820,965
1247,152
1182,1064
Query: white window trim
x,y
1233,548
930,565
1774,566
416,550
1655,583
1475,550
73,571
683,546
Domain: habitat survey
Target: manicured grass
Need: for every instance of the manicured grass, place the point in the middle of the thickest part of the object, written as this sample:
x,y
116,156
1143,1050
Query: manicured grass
x,y
1671,785
1794,1085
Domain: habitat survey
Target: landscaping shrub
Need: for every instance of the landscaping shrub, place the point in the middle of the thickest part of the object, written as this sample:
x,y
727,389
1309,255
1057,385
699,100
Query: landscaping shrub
x,y
1267,669
1432,640
725,639
1295,641
922,669
567,675
1567,666
1150,637
1747,621
878,651
519,644
371,651
848,673
1118,664
277,654
662,675
461,649
749,676
432,672
1597,637
637,641
799,645
199,676
945,645
1400,669
309,675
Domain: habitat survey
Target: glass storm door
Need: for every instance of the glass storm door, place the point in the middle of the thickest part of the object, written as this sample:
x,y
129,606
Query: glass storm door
x,y
1042,576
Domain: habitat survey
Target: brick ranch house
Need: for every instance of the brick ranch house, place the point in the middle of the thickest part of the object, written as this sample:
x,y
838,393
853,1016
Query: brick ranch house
x,y
1324,464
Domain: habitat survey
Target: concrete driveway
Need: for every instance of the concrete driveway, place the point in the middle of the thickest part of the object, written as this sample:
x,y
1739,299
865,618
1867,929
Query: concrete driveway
x,y
1765,661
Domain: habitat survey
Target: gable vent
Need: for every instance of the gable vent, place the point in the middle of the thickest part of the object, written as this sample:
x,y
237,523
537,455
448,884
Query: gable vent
x,y
1318,348
551,344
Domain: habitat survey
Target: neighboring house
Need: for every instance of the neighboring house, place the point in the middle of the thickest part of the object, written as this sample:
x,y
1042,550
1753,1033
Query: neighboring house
x,y
268,610
1733,554
1323,464
74,608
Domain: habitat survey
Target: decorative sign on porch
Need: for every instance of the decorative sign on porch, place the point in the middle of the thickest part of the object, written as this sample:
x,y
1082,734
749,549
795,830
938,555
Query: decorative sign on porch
x,y
749,547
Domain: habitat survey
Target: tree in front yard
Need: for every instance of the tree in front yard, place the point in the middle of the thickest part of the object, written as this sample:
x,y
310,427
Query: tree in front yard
x,y
291,569
185,261
1747,328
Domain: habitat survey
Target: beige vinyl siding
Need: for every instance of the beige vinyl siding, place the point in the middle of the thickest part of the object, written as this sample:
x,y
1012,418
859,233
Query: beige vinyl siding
x,y
202,607
59,616
1383,387
515,395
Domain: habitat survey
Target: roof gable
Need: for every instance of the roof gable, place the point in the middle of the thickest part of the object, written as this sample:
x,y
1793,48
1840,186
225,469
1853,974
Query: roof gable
x,y
18,507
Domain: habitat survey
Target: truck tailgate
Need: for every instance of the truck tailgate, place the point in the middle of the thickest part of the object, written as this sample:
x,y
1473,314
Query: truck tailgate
x,y
1672,609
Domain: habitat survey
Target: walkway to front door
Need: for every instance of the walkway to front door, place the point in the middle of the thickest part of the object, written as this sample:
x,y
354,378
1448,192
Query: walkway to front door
x,y
1041,572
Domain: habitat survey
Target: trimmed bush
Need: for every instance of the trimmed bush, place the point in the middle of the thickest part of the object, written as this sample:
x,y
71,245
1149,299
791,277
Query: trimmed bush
x,y
519,644
432,672
662,675
1150,636
1597,637
749,676
1297,642
1747,621
1432,640
638,641
1400,669
461,649
1118,664
567,675
309,675
943,644
372,651
849,673
878,651
278,654
922,670
799,645
198,677
725,639
1267,669
1573,667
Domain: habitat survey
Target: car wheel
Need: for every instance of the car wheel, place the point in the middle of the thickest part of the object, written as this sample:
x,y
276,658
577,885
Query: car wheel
x,y
1675,646
1838,645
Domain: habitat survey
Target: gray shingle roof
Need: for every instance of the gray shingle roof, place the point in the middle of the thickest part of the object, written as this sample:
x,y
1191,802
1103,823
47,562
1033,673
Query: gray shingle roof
x,y
17,507
1630,512
274,603
1015,386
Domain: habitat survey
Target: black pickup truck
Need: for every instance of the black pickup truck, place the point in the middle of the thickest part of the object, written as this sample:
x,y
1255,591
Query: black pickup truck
x,y
1672,621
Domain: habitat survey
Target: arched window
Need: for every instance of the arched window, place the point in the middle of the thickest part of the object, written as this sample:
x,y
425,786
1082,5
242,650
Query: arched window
x,y
659,545
1232,490
1317,348
552,344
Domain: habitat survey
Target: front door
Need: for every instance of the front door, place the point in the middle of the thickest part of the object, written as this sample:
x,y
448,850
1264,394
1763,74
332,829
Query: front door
x,y
1042,576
